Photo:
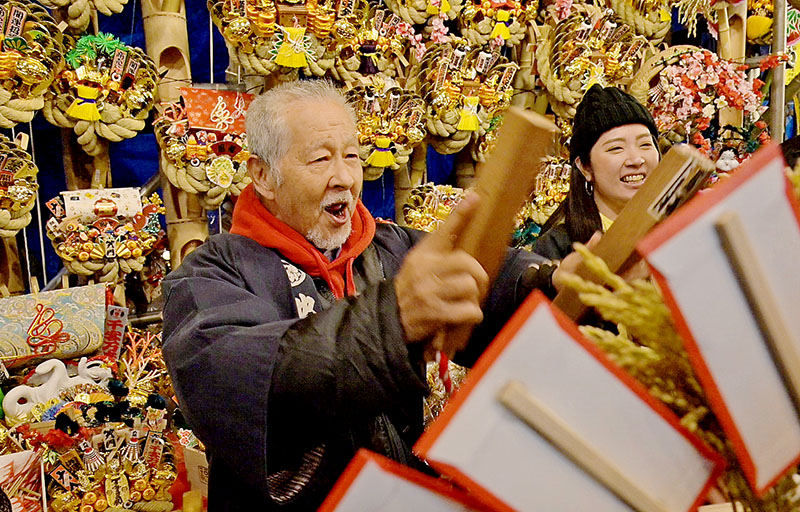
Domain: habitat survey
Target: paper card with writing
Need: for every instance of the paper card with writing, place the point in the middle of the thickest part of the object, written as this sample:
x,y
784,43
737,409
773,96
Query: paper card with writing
x,y
221,111
373,482
487,449
712,311
56,324
92,203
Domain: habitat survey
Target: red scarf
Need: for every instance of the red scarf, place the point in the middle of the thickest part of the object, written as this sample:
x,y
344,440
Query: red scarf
x,y
252,220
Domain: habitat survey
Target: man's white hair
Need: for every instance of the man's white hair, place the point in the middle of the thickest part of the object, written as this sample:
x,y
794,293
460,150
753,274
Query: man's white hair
x,y
265,119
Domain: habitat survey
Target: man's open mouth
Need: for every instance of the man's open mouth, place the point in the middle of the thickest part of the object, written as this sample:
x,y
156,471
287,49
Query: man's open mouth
x,y
338,211
633,178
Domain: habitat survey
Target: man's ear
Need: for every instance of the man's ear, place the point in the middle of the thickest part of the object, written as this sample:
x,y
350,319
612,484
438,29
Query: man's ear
x,y
262,180
586,171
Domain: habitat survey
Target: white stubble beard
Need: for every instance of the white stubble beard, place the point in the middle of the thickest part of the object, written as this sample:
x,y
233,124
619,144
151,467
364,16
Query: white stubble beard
x,y
325,241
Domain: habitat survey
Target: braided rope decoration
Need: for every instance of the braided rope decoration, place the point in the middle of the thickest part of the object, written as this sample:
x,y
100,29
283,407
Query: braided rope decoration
x,y
78,13
116,107
479,21
646,21
194,179
31,55
416,12
18,188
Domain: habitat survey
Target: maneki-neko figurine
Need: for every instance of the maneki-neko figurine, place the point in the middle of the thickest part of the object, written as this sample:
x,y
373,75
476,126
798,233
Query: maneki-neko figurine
x,y
106,91
31,54
203,143
280,38
390,124
18,187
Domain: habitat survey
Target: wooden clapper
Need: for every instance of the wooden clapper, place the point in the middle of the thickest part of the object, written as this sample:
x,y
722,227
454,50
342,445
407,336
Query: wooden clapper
x,y
679,175
727,264
504,184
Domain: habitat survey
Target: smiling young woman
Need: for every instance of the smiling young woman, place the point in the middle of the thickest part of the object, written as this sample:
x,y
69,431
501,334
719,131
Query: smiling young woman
x,y
612,151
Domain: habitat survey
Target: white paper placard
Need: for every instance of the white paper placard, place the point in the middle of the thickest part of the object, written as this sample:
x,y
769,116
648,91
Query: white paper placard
x,y
374,483
126,202
487,449
725,344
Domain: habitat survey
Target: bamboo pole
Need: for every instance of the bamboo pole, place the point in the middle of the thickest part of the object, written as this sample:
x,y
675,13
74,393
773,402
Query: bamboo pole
x,y
732,46
167,42
10,267
777,97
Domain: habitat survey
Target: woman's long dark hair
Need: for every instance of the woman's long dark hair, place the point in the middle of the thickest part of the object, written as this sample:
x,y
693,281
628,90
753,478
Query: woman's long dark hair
x,y
578,211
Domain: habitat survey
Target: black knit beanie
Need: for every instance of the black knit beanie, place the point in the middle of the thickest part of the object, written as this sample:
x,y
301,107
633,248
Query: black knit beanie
x,y
600,110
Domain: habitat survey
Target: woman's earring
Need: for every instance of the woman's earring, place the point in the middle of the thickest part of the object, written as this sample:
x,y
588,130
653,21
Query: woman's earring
x,y
589,186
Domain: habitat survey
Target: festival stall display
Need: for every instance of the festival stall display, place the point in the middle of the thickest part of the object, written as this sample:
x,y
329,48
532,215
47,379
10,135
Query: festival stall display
x,y
31,56
390,124
105,92
104,233
649,18
18,187
101,440
204,147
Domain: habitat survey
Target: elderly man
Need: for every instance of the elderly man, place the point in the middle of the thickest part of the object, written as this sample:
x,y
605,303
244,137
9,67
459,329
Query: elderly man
x,y
299,337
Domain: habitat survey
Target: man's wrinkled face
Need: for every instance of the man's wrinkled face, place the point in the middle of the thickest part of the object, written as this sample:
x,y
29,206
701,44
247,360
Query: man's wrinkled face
x,y
321,174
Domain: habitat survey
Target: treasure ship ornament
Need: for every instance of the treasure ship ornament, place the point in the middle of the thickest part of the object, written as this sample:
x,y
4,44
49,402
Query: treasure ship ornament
x,y
589,46
203,143
277,39
31,55
18,187
390,124
105,92
104,234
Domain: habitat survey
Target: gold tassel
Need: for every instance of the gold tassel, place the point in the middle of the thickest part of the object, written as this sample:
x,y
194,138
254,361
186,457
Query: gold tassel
x,y
291,53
